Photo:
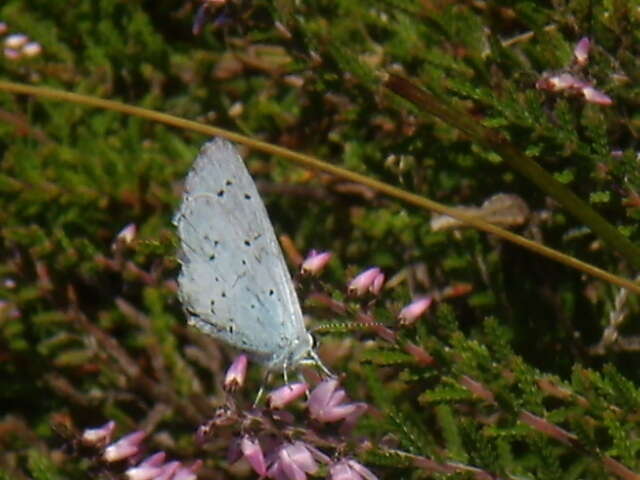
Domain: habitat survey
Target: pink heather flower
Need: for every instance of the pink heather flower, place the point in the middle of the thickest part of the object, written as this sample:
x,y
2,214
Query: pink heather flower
x,y
293,462
350,470
592,95
148,469
12,54
126,447
237,373
201,18
315,262
32,49
16,40
168,470
409,314
127,234
325,403
98,437
363,282
187,473
560,82
253,453
377,284
581,51
286,394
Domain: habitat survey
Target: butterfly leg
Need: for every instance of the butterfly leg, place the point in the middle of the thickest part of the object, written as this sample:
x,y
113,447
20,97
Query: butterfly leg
x,y
265,379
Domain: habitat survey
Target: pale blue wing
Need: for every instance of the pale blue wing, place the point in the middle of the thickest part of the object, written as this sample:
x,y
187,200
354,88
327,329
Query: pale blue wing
x,y
234,283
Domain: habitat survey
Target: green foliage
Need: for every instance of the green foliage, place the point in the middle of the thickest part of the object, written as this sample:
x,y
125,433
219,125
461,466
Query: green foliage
x,y
90,328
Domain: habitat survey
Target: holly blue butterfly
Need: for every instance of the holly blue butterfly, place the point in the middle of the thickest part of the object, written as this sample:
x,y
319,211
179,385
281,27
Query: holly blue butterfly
x,y
234,283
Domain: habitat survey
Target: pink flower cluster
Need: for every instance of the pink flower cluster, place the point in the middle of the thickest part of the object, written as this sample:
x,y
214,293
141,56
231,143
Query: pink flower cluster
x,y
371,280
270,451
129,449
570,83
18,45
287,460
294,460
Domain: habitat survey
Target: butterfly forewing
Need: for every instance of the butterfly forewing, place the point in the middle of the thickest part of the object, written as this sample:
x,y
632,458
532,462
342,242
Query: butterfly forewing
x,y
234,283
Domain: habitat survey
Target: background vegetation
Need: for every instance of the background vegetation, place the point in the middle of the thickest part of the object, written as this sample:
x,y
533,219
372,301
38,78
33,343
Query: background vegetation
x,y
522,383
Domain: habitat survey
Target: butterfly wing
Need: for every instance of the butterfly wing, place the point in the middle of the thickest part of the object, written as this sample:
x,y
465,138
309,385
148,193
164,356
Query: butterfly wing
x,y
234,283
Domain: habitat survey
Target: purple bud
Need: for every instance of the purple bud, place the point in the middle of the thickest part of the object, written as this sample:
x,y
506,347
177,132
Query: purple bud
x,y
16,40
155,460
168,471
377,284
581,51
253,453
565,81
127,234
237,373
98,437
592,95
201,18
149,469
301,456
409,314
342,471
187,473
11,54
315,262
350,470
293,462
325,403
126,447
32,49
363,282
286,394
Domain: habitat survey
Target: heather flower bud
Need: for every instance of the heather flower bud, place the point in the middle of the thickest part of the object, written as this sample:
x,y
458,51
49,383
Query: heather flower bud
x,y
378,283
293,462
187,473
409,314
592,95
16,40
126,235
126,447
581,51
148,469
253,453
315,262
350,470
325,403
32,49
237,373
363,282
98,437
168,470
286,394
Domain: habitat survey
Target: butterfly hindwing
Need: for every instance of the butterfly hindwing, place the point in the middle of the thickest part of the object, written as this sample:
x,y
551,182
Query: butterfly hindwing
x,y
234,283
